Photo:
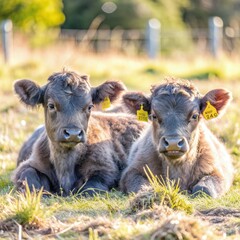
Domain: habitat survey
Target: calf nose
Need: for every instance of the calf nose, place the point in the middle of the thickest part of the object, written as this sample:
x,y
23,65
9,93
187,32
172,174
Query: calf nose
x,y
73,134
174,143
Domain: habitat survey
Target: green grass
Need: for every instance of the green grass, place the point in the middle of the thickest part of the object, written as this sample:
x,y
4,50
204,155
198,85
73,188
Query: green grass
x,y
160,212
162,192
26,209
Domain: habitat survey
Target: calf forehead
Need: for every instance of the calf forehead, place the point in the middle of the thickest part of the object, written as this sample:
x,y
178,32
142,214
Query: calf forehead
x,y
174,103
175,86
68,87
175,97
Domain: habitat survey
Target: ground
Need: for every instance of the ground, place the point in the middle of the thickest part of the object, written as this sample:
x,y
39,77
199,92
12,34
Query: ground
x,y
151,214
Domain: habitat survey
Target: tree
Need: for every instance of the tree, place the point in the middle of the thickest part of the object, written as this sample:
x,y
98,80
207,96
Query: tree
x,y
198,12
34,17
129,14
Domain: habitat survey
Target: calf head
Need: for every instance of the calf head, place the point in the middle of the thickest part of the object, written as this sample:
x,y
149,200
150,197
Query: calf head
x,y
176,108
67,99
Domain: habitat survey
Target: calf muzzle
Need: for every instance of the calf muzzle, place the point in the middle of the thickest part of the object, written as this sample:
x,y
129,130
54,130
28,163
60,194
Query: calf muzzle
x,y
74,135
173,146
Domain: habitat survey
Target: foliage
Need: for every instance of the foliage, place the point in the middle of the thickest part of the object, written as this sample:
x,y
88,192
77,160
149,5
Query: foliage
x,y
132,14
128,14
34,17
80,14
196,14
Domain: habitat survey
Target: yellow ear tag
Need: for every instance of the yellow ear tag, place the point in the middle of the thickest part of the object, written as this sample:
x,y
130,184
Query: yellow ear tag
x,y
106,103
210,111
142,115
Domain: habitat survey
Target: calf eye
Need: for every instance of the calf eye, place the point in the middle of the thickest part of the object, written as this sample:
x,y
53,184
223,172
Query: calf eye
x,y
51,106
195,116
153,116
90,107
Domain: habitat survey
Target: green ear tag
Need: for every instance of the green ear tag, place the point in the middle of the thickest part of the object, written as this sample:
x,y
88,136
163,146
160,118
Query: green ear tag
x,y
210,111
142,115
106,103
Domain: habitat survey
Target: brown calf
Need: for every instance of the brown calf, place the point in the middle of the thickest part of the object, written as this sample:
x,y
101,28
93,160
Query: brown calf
x,y
77,150
178,144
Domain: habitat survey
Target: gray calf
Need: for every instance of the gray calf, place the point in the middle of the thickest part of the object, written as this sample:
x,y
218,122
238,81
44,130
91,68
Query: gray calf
x,y
77,150
178,144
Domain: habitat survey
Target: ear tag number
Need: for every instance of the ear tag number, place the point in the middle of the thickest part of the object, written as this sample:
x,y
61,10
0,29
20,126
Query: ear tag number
x,y
210,111
106,103
142,115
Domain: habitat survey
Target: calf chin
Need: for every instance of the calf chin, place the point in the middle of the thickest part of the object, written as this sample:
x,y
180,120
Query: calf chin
x,y
173,155
69,145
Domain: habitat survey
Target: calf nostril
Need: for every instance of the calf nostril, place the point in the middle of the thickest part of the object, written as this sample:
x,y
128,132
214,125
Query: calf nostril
x,y
165,142
73,134
66,133
181,143
80,135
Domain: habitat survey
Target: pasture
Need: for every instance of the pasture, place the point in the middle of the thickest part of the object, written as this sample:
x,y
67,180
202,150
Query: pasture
x,y
161,212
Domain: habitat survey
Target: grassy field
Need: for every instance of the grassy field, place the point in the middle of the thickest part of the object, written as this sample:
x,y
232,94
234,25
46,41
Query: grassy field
x,y
155,213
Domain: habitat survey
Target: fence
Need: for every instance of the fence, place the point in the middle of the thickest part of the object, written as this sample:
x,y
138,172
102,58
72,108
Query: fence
x,y
153,40
209,40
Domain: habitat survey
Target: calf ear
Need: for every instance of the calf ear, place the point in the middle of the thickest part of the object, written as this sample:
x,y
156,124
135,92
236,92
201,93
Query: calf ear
x,y
134,100
29,92
219,98
111,89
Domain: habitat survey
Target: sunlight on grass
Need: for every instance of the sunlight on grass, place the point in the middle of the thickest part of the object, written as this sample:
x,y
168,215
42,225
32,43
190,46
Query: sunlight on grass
x,y
26,208
169,192
229,200
93,235
161,192
98,205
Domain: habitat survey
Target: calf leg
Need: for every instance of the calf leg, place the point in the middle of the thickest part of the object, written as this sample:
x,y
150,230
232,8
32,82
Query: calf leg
x,y
211,185
34,179
98,183
132,181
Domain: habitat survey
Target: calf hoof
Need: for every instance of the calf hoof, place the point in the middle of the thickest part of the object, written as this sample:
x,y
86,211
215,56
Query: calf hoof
x,y
90,192
34,179
200,190
93,188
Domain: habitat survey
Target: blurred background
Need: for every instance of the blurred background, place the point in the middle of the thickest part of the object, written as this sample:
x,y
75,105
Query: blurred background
x,y
130,40
133,27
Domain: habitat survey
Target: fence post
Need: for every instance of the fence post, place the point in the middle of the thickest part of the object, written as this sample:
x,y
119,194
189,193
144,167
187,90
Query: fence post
x,y
215,25
153,37
7,39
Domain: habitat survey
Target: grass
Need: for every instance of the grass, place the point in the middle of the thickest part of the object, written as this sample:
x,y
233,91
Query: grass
x,y
26,208
162,192
159,212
